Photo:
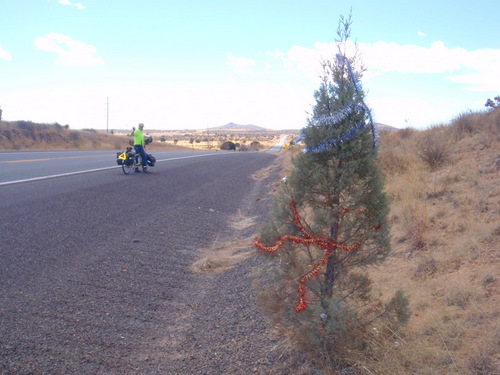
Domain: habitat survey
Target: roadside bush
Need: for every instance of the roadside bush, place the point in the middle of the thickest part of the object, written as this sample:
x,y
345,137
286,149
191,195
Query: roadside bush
x,y
255,146
406,133
228,146
492,120
75,135
466,124
26,125
434,147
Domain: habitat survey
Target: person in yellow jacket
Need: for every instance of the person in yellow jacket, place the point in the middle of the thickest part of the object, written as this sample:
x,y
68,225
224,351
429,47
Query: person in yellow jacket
x,y
139,148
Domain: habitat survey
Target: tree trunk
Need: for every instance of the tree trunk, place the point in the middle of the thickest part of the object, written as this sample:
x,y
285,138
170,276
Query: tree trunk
x,y
331,267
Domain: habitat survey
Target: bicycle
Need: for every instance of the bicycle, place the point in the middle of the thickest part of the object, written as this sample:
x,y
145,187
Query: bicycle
x,y
127,160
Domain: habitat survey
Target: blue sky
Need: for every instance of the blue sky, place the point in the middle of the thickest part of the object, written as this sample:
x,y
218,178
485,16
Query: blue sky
x,y
190,64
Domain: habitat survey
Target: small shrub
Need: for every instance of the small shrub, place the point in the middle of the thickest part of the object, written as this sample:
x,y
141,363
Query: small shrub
x,y
434,147
26,125
465,124
482,364
425,268
414,223
489,279
496,231
75,135
228,146
406,133
458,297
255,146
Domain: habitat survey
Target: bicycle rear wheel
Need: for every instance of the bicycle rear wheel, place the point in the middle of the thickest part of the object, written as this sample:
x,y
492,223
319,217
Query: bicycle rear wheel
x,y
127,168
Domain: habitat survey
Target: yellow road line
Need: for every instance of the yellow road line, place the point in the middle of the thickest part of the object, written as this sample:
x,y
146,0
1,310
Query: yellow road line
x,y
64,157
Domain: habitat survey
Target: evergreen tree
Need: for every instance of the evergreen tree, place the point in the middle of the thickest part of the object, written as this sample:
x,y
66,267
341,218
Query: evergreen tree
x,y
489,103
330,221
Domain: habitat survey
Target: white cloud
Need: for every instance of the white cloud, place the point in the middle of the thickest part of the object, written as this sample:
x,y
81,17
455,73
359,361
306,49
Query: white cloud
x,y
67,2
4,55
422,34
307,60
240,64
71,52
477,69
413,59
279,55
480,71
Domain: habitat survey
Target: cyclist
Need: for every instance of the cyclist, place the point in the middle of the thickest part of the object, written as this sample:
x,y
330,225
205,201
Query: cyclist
x,y
139,148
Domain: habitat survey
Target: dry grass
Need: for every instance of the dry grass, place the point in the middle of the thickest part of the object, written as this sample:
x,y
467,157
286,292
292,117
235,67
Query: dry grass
x,y
223,255
445,211
240,222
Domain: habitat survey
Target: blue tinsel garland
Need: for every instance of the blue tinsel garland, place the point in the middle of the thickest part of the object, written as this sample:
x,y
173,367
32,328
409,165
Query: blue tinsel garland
x,y
342,115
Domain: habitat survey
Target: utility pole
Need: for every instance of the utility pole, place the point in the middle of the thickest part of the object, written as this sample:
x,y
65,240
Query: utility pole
x,y
107,114
209,147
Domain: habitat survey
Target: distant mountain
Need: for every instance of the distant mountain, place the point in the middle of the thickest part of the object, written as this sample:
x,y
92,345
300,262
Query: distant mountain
x,y
234,126
380,127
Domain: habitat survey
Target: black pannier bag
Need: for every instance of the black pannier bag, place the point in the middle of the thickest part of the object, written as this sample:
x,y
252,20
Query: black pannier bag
x,y
130,156
126,157
151,160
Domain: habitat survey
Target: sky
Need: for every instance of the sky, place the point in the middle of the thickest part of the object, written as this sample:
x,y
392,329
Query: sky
x,y
195,64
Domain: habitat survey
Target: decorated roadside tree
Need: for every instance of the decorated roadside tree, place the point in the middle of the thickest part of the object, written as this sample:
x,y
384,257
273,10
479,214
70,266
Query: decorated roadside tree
x,y
330,223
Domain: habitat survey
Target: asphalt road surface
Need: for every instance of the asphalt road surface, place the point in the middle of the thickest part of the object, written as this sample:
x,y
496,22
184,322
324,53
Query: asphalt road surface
x,y
25,166
90,261
279,146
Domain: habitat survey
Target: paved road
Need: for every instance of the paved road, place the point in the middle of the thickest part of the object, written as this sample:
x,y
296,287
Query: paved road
x,y
18,167
90,263
279,146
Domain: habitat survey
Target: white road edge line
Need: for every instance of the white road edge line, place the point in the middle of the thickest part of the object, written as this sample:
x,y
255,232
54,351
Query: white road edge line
x,y
96,170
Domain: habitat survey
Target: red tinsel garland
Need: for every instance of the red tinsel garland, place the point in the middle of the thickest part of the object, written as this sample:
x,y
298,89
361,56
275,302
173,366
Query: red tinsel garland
x,y
307,239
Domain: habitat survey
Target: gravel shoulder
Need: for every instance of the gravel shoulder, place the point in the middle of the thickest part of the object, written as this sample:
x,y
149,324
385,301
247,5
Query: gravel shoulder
x,y
216,326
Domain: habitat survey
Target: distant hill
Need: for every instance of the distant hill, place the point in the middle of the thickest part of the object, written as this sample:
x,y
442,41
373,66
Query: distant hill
x,y
380,127
28,135
234,126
